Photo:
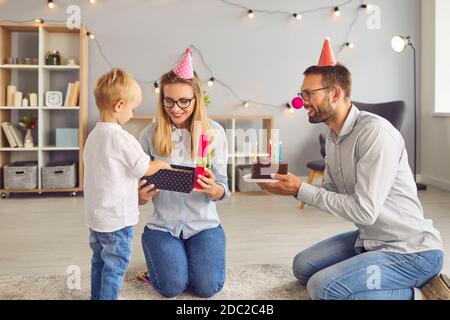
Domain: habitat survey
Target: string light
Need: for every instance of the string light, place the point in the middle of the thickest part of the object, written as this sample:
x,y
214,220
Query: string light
x,y
251,14
290,108
337,12
297,16
157,88
367,7
351,45
50,4
90,35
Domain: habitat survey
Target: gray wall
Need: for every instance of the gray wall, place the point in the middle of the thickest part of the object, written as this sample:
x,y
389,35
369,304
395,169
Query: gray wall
x,y
262,59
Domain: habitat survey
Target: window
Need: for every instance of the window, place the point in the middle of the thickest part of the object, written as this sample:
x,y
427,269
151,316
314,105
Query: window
x,y
442,67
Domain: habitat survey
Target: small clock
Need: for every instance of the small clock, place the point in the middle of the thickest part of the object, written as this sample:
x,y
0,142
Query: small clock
x,y
53,99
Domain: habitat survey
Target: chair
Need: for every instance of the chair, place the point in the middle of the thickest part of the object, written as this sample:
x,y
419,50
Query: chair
x,y
393,111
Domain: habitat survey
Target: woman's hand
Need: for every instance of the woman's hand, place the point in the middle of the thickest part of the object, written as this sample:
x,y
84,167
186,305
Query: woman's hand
x,y
146,193
214,190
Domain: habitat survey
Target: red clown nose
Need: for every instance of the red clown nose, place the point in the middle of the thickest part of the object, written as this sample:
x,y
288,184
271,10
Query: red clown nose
x,y
297,103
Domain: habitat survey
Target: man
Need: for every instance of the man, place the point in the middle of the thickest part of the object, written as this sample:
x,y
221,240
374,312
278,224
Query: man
x,y
394,251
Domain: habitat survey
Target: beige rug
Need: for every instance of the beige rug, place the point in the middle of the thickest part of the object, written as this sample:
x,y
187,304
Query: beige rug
x,y
252,282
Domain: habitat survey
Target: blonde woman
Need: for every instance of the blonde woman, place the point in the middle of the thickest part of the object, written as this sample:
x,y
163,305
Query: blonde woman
x,y
183,242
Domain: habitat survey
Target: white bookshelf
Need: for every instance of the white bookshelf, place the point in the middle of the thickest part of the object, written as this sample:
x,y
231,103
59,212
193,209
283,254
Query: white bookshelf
x,y
34,41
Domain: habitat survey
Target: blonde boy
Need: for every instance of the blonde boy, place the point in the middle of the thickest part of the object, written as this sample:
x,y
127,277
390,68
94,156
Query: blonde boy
x,y
114,162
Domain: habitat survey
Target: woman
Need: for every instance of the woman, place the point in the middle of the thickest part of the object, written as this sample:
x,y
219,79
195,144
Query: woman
x,y
183,242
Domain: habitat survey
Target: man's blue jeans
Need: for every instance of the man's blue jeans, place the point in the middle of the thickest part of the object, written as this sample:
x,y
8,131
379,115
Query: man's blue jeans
x,y
333,271
175,264
111,255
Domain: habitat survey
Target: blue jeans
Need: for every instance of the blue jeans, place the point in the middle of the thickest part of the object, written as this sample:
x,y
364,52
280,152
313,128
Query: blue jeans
x,y
111,255
332,270
175,264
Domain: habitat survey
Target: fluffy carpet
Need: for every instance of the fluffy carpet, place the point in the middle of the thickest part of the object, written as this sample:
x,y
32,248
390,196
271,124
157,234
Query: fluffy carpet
x,y
252,282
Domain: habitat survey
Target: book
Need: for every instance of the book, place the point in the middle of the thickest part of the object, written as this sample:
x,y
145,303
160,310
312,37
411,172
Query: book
x,y
17,134
75,94
68,93
9,135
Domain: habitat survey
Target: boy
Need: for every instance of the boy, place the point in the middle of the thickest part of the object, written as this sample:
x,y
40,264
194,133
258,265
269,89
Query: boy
x,y
114,162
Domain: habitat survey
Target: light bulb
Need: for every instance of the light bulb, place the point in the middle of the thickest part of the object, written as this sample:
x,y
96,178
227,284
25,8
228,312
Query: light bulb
x,y
251,15
38,20
246,104
90,35
298,16
92,1
351,45
337,12
211,82
367,7
50,4
398,43
157,88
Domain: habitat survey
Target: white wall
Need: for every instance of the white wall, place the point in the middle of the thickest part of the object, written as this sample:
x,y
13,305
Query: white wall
x,y
435,131
263,58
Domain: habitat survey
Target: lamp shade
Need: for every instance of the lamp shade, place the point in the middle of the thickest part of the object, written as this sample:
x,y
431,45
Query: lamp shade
x,y
399,43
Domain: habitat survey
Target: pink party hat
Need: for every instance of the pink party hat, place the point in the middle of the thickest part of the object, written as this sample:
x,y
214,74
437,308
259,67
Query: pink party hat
x,y
184,69
327,58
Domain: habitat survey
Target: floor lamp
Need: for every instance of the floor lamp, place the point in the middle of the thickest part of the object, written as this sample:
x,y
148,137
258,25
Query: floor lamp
x,y
399,44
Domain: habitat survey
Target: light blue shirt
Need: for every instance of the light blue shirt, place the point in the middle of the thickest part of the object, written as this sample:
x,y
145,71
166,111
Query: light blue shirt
x,y
185,215
368,181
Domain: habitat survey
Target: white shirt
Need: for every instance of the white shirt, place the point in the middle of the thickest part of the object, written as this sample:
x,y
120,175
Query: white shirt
x,y
368,181
113,164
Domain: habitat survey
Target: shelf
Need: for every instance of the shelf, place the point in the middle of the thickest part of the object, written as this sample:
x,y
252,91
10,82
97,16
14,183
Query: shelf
x,y
53,148
60,108
61,68
19,108
36,40
19,66
76,189
19,149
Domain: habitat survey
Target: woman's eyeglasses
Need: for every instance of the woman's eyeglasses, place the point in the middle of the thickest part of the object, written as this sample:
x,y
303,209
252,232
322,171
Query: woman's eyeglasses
x,y
182,103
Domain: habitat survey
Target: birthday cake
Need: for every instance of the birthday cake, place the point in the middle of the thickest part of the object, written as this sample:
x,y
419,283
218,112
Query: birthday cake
x,y
264,168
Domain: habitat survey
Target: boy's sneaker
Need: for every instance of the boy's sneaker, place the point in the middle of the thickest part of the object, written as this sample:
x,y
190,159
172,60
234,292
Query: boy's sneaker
x,y
437,288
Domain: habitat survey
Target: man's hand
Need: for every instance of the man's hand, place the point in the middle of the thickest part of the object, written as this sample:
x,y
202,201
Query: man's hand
x,y
145,193
287,185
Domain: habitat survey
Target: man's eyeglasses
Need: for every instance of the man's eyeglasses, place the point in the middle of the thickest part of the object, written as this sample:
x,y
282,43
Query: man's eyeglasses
x,y
182,103
306,95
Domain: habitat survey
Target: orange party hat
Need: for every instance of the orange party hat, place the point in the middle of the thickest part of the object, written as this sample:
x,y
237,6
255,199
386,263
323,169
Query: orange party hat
x,y
327,58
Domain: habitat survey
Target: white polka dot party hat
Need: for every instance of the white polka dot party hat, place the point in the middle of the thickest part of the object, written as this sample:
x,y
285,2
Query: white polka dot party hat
x,y
184,68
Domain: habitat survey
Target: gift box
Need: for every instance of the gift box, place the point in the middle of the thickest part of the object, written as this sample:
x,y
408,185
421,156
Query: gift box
x,y
179,179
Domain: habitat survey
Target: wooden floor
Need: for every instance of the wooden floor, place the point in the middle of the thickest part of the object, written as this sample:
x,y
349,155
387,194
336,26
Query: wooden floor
x,y
46,234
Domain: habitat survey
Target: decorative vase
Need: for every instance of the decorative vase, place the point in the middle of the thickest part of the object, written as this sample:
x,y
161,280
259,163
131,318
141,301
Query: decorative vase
x,y
28,142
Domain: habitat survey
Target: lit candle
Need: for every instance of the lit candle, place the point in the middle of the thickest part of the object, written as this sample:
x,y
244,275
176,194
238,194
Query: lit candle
x,y
275,154
270,150
256,151
281,151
